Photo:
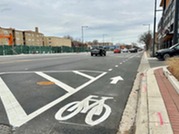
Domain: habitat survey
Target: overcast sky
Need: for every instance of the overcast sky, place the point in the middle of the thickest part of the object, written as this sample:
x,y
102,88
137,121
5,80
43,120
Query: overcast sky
x,y
112,20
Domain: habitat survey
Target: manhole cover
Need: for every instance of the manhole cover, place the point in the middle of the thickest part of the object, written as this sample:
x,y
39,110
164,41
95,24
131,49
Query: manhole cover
x,y
45,83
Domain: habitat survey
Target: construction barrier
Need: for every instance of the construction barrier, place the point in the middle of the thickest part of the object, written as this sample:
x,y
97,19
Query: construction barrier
x,y
21,49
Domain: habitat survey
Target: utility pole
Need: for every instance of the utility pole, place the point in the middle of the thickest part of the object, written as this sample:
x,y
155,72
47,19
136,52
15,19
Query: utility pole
x,y
153,45
176,22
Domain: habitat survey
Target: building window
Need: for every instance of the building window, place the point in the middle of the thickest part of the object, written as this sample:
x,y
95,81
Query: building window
x,y
5,31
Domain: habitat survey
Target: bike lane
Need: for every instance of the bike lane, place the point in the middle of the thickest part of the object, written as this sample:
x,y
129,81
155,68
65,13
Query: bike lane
x,y
118,94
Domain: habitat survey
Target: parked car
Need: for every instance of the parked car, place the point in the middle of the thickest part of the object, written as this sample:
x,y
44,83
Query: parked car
x,y
133,50
117,50
98,50
163,54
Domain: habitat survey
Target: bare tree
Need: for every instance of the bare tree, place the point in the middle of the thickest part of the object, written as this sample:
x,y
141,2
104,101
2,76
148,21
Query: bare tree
x,y
146,38
68,37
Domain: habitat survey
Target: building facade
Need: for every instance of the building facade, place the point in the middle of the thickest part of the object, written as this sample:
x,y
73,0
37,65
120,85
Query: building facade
x,y
168,30
57,41
18,37
5,32
31,38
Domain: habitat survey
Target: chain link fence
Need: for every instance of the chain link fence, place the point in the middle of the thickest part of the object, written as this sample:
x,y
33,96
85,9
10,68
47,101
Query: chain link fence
x,y
21,49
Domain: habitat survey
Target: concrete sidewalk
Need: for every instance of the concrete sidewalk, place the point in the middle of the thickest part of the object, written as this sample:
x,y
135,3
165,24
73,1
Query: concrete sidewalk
x,y
158,105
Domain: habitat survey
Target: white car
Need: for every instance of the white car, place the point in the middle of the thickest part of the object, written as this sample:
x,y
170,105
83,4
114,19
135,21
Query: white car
x,y
125,50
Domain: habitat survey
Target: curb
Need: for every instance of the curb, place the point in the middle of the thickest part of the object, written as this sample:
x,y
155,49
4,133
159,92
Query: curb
x,y
128,123
171,78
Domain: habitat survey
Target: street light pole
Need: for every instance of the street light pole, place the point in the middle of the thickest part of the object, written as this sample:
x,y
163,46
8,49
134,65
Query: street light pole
x,y
82,34
103,38
153,45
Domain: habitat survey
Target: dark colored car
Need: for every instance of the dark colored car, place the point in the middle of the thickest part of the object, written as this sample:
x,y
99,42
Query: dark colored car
x,y
163,54
98,50
133,50
117,50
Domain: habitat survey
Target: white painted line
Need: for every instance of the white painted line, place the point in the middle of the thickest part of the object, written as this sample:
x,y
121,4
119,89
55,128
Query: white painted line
x,y
110,69
14,110
53,103
116,66
57,82
89,82
84,75
121,63
51,71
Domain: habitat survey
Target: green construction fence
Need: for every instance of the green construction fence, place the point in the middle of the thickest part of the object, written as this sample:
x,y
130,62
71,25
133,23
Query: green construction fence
x,y
22,49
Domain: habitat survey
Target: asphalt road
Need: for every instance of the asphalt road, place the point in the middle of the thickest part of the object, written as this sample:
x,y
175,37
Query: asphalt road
x,y
66,93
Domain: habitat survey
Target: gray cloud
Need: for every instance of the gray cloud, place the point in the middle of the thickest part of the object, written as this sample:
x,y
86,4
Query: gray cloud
x,y
119,19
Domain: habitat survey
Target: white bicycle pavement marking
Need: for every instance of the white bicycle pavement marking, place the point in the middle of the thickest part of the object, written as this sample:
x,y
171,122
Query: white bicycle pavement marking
x,y
92,105
16,114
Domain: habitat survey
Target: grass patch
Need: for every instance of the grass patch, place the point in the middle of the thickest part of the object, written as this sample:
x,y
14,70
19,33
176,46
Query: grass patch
x,y
173,66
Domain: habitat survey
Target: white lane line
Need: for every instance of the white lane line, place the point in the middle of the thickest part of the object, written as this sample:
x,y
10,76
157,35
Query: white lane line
x,y
53,103
110,69
57,82
51,71
14,110
116,66
84,75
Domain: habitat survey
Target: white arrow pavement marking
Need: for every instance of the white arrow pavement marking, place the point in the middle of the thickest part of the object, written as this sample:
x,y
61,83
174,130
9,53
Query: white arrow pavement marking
x,y
116,79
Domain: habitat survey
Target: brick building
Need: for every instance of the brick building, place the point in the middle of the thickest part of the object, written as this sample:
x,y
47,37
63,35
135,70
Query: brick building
x,y
32,38
57,41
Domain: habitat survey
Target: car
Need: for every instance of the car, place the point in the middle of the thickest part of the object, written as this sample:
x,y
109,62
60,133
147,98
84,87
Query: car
x,y
133,50
125,50
117,50
164,54
98,50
